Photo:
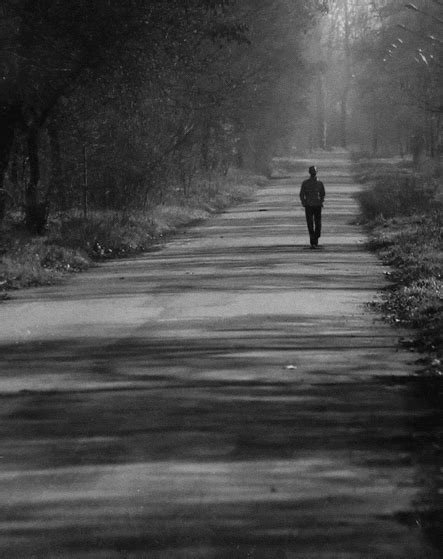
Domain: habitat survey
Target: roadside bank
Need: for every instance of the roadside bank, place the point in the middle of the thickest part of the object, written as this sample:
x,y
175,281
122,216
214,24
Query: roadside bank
x,y
72,242
402,213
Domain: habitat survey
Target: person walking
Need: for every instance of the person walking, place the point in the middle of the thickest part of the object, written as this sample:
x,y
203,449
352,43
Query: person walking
x,y
312,195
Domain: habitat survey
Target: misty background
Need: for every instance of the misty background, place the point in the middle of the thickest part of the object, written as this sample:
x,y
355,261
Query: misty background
x,y
121,105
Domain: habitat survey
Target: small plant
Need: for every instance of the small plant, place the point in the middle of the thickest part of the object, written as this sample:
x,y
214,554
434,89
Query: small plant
x,y
38,263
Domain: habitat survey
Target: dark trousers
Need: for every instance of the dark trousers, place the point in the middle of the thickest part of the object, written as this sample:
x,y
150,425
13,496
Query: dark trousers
x,y
313,219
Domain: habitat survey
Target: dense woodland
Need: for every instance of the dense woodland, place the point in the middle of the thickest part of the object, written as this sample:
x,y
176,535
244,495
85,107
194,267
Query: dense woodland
x,y
113,104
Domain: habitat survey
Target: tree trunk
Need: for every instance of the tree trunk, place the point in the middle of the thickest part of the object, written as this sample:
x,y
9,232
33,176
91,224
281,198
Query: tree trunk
x,y
205,146
14,172
56,185
375,132
2,197
374,140
343,120
36,213
347,81
321,111
8,119
246,153
418,149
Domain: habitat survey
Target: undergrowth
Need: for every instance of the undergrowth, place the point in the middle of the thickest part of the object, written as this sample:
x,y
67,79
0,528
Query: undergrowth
x,y
72,243
404,221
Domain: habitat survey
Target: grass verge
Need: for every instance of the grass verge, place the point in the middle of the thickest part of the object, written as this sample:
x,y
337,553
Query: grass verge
x,y
72,243
403,216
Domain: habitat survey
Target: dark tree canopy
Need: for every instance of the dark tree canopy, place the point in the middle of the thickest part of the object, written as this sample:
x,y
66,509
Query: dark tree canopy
x,y
149,92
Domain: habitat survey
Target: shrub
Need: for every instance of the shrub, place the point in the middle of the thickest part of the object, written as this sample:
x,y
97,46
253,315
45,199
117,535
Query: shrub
x,y
38,263
105,233
420,306
72,241
405,224
413,245
396,195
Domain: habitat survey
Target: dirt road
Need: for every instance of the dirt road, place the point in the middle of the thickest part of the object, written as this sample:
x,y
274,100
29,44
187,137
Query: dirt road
x,y
226,396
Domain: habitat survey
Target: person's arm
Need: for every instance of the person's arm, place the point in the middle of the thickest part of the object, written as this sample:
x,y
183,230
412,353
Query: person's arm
x,y
303,195
322,193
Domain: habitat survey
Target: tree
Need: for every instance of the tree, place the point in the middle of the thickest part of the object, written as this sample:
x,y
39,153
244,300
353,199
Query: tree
x,y
153,91
376,66
51,49
55,47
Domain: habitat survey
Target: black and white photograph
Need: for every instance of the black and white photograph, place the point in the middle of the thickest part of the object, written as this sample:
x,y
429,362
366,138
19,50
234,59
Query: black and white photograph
x,y
221,279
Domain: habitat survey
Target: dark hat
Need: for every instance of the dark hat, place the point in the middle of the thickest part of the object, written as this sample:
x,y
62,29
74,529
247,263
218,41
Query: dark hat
x,y
313,170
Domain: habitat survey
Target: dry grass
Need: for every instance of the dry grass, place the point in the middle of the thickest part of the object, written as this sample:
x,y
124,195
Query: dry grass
x,y
405,227
72,242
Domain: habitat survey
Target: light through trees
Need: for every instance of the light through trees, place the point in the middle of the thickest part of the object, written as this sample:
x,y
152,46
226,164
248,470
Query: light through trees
x,y
376,76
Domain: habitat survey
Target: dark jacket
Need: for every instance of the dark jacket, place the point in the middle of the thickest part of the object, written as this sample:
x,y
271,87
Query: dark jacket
x,y
312,192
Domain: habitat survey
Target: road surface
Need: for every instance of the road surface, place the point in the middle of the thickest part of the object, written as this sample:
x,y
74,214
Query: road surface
x,y
228,395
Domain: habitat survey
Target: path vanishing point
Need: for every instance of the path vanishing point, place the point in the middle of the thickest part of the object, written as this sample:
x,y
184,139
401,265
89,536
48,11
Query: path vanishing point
x,y
228,395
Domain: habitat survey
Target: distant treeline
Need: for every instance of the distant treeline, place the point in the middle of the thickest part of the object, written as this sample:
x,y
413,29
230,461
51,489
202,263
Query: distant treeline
x,y
376,79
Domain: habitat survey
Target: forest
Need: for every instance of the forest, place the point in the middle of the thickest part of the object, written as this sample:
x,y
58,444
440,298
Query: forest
x,y
114,105
120,102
